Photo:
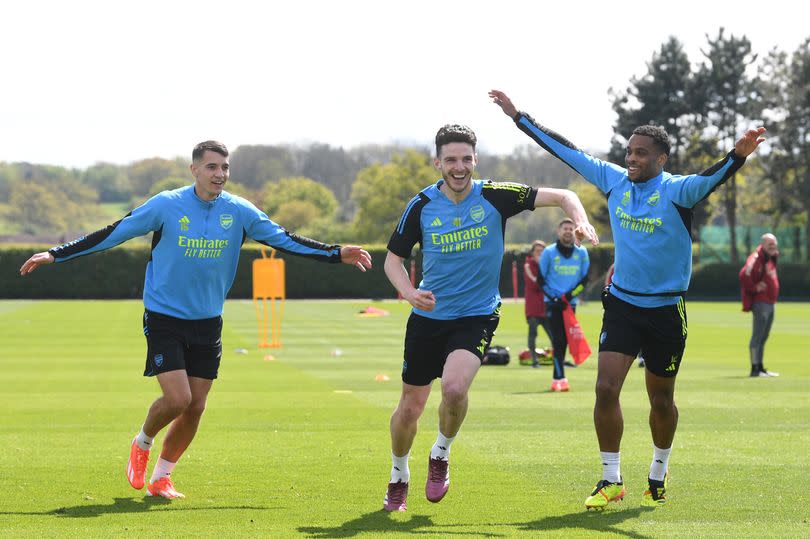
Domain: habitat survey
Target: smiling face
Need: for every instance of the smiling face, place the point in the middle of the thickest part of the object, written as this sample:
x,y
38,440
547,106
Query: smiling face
x,y
456,161
644,159
210,174
565,233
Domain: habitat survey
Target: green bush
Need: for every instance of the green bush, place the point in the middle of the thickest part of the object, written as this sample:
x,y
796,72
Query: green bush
x,y
720,281
119,273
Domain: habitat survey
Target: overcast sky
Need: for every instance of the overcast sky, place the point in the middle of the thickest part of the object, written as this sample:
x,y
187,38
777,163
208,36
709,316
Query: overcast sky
x,y
88,81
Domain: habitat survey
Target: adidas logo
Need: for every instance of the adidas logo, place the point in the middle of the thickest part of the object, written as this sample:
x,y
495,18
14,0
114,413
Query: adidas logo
x,y
436,222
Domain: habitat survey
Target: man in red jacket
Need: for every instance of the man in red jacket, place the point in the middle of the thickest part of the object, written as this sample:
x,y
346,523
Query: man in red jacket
x,y
760,288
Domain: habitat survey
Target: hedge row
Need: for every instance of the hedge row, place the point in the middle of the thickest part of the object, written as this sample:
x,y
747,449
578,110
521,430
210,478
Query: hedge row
x,y
119,273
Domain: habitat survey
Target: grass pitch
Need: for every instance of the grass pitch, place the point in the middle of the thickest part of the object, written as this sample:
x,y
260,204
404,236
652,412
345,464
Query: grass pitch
x,y
298,446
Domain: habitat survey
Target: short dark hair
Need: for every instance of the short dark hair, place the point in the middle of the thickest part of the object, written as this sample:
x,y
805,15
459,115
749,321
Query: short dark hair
x,y
657,133
566,221
209,145
454,133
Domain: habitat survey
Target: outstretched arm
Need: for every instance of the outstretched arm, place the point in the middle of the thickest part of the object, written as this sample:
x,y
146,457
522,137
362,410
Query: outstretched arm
x,y
696,187
572,206
602,174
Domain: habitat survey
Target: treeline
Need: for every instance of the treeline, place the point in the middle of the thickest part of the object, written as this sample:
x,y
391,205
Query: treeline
x,y
358,194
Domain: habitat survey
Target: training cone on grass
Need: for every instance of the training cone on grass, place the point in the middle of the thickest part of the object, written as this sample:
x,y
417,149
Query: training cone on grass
x,y
382,377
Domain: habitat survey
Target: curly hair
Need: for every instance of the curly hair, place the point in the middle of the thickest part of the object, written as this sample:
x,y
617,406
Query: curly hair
x,y
657,133
454,133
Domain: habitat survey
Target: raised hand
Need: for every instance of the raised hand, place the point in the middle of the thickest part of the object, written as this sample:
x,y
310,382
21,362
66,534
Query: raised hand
x,y
749,142
503,101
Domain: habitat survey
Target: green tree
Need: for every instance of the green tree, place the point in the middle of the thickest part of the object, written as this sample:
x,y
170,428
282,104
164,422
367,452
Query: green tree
x,y
294,215
38,209
9,175
254,166
109,181
144,174
732,99
664,96
168,184
381,192
787,90
286,190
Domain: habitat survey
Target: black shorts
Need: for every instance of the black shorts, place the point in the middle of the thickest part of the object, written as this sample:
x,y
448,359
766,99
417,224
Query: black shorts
x,y
174,344
428,342
657,333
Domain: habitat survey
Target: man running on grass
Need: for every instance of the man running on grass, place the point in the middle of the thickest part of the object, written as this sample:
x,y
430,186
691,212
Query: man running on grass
x,y
651,218
460,224
198,231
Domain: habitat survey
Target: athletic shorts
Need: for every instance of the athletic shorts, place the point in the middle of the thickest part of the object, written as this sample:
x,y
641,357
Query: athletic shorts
x,y
657,333
194,346
428,342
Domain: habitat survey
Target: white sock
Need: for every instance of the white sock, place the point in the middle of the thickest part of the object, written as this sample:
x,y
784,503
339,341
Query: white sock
x,y
162,469
441,449
399,468
144,442
610,466
660,461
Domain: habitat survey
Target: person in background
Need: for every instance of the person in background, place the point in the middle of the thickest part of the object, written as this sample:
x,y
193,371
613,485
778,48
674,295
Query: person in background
x,y
564,270
759,285
535,306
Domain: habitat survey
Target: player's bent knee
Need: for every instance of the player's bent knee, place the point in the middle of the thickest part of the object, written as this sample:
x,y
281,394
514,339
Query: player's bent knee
x,y
177,404
195,409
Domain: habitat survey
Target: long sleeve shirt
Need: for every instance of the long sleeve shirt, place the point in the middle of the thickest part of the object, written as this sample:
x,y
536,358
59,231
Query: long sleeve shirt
x,y
195,248
651,220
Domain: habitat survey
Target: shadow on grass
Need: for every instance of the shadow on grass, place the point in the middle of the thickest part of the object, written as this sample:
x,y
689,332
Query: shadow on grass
x,y
381,522
375,521
125,505
597,521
